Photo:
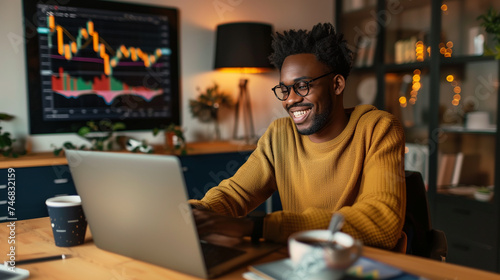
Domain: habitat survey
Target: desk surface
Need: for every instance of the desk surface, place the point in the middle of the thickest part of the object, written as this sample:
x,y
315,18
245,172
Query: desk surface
x,y
34,239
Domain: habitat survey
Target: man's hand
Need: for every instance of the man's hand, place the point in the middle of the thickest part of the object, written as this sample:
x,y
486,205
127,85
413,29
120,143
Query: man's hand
x,y
209,222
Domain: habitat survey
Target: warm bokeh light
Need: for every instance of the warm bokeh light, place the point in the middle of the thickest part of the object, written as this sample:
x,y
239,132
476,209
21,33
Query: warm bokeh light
x,y
446,49
456,89
444,7
416,72
419,51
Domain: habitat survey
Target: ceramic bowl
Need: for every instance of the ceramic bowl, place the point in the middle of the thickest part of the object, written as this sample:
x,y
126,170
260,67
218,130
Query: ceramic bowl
x,y
483,196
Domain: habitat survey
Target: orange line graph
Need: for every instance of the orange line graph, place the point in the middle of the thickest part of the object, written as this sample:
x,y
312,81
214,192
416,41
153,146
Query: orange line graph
x,y
89,36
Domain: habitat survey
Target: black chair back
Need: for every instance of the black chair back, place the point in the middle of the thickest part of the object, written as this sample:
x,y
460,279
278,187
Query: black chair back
x,y
423,240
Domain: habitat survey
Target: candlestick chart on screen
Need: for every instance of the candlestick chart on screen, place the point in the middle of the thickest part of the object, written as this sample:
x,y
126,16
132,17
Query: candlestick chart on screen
x,y
100,63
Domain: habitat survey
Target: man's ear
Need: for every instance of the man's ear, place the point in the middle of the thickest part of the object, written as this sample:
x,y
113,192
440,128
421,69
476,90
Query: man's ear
x,y
339,84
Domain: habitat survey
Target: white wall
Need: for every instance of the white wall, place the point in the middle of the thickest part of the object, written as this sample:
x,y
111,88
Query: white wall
x,y
198,21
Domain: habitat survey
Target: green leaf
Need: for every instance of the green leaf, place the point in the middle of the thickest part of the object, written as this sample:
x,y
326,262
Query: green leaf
x,y
69,145
57,151
6,117
118,126
84,131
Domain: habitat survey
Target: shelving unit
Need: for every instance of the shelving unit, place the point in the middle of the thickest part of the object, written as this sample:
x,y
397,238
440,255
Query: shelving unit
x,y
418,85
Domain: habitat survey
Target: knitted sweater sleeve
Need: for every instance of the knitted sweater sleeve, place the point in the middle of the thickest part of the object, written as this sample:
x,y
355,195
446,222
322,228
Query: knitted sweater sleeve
x,y
250,186
376,217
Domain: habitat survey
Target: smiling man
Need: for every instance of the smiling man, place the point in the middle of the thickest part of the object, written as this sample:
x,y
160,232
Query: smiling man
x,y
322,159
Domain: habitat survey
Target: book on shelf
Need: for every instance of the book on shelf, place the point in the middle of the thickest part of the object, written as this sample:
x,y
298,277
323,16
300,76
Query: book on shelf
x,y
362,51
370,54
366,51
450,169
457,170
445,169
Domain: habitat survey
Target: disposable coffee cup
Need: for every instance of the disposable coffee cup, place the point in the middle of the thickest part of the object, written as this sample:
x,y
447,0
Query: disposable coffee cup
x,y
67,220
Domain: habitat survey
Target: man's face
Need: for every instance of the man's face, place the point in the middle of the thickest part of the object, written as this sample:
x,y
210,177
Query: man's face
x,y
315,111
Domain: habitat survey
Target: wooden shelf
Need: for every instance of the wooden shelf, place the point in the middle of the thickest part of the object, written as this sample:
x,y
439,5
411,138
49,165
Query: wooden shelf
x,y
195,148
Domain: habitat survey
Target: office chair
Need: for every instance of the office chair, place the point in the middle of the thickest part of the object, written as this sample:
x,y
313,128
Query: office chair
x,y
423,240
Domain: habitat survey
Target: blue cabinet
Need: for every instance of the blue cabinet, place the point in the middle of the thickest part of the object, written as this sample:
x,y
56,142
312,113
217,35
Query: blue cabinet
x,y
33,185
203,172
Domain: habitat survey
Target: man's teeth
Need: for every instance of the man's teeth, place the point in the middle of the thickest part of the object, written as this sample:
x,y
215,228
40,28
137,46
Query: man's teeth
x,y
299,113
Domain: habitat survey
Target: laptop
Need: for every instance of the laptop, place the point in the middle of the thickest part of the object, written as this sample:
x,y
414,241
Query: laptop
x,y
136,206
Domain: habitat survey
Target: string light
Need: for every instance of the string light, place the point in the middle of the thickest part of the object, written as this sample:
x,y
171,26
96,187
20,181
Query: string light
x,y
415,87
456,89
402,102
446,49
419,51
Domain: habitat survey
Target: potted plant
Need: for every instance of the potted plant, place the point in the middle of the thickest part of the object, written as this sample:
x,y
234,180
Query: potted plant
x,y
6,140
174,138
491,23
100,135
206,106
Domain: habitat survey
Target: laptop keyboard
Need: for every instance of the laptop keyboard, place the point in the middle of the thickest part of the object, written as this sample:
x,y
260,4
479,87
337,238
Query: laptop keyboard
x,y
215,254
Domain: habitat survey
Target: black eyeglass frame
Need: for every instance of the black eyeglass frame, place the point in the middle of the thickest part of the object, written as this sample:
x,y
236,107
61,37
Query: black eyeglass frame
x,y
295,85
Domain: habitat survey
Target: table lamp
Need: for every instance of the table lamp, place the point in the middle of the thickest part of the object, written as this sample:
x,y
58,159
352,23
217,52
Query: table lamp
x,y
243,47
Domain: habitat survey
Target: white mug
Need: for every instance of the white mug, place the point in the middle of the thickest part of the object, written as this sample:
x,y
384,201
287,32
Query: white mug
x,y
338,254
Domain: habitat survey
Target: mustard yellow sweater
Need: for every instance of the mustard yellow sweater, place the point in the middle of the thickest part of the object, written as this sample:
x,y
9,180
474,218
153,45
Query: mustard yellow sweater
x,y
360,173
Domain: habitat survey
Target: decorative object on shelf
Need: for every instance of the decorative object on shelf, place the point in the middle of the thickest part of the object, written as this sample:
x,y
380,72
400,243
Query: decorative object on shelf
x,y
476,41
174,138
6,140
100,135
134,146
243,47
478,120
491,22
206,106
484,193
367,90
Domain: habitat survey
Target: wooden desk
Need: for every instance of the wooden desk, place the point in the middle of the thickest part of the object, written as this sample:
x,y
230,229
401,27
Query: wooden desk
x,y
34,239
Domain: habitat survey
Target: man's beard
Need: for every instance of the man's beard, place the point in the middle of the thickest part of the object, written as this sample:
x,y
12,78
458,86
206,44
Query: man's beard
x,y
318,122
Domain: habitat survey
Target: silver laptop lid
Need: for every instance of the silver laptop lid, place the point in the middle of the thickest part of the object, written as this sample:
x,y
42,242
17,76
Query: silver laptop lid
x,y
133,202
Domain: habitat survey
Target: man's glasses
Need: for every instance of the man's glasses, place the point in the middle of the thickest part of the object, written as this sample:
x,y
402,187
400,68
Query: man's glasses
x,y
301,88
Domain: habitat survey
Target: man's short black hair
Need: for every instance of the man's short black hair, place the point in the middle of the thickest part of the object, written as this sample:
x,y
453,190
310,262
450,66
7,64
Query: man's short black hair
x,y
328,46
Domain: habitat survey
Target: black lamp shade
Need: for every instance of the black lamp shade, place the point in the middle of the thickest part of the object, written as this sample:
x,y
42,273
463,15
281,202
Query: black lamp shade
x,y
243,45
